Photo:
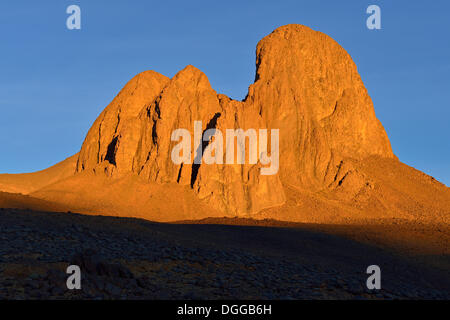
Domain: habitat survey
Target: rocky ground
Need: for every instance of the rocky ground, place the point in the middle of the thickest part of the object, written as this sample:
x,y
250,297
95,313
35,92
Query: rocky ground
x,y
124,258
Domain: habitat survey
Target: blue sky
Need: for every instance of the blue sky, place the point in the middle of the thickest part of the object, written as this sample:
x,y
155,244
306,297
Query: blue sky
x,y
54,82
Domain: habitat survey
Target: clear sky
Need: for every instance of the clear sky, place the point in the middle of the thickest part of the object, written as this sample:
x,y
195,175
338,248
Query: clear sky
x,y
54,82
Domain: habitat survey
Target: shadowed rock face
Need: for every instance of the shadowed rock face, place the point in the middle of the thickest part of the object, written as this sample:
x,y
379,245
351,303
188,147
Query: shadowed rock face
x,y
306,85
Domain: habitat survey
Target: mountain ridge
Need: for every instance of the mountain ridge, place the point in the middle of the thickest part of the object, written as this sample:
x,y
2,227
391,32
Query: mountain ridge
x,y
332,147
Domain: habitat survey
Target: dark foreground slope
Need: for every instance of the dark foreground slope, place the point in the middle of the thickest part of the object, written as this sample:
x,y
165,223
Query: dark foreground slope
x,y
133,258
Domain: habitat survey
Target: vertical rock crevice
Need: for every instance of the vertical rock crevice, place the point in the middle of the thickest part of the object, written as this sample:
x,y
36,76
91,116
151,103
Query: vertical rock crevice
x,y
212,124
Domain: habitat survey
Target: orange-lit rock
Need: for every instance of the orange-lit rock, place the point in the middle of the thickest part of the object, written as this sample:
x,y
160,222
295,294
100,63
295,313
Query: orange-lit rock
x,y
332,146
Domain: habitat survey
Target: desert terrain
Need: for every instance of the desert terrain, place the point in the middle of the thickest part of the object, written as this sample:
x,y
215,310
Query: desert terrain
x,y
128,258
144,227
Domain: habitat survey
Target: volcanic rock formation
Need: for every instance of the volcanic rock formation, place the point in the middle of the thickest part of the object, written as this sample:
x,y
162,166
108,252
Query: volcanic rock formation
x,y
306,85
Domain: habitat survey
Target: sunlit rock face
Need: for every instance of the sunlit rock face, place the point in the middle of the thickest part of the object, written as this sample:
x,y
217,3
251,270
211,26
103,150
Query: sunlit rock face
x,y
306,85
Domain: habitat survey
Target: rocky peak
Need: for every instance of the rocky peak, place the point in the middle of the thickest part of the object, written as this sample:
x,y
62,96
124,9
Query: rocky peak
x,y
306,85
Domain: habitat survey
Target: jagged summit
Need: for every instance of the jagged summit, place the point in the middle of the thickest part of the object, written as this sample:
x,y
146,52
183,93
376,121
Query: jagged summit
x,y
307,86
331,144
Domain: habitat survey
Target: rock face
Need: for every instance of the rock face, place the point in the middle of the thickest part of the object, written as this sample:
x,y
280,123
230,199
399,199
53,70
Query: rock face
x,y
101,146
335,160
306,85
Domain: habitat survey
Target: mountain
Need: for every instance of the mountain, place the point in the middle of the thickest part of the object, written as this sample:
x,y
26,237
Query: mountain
x,y
336,163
